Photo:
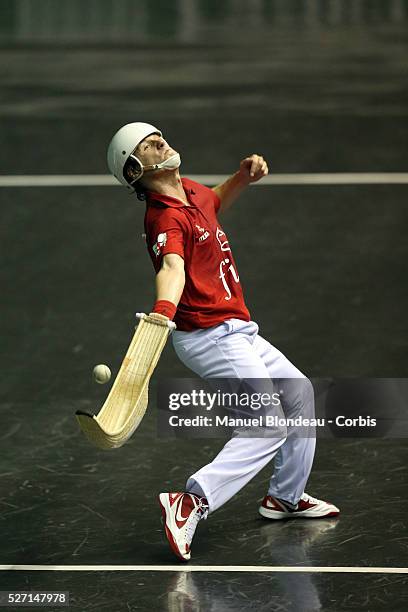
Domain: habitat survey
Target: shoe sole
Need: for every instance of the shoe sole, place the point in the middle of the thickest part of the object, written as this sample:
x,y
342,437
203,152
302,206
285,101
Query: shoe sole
x,y
166,512
277,515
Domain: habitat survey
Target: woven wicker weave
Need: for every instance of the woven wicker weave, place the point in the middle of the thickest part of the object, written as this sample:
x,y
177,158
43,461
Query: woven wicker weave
x,y
127,401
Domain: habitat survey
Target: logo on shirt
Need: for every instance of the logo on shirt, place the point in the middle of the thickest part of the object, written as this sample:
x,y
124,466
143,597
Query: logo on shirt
x,y
226,265
159,244
203,233
222,240
231,269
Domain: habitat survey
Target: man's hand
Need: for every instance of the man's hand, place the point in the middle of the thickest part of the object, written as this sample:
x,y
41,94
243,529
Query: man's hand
x,y
253,168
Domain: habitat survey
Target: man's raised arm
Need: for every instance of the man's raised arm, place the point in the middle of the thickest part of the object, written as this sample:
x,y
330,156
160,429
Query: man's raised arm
x,y
251,169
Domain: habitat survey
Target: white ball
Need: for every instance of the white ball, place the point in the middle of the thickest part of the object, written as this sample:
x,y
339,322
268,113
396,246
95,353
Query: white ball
x,y
101,374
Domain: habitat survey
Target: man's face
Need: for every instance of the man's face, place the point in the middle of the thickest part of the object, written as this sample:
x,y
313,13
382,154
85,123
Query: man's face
x,y
153,150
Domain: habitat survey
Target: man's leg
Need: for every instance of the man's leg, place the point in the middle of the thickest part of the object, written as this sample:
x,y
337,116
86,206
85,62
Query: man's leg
x,y
227,351
294,459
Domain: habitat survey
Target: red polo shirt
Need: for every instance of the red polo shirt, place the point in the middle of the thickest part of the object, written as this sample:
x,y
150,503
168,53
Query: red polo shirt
x,y
212,292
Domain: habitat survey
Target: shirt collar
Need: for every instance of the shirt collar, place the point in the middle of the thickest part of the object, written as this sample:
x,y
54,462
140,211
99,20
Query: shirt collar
x,y
153,197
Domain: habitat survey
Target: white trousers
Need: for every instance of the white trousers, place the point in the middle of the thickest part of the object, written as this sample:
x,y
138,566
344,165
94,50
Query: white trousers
x,y
234,349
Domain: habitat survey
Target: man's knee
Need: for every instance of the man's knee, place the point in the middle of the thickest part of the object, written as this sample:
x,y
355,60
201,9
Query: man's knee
x,y
308,391
303,403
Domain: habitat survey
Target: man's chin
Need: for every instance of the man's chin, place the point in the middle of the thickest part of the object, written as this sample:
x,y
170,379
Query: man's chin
x,y
170,153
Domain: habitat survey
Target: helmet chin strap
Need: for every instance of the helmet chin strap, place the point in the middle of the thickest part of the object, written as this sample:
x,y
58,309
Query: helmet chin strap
x,y
171,163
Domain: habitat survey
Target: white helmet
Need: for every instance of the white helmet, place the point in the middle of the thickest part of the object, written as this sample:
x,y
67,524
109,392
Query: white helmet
x,y
120,151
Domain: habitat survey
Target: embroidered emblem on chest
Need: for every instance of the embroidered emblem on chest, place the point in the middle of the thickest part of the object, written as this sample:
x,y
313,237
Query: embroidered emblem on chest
x,y
202,233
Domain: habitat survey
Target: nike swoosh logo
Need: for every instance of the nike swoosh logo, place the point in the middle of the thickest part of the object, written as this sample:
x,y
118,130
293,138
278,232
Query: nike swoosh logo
x,y
180,519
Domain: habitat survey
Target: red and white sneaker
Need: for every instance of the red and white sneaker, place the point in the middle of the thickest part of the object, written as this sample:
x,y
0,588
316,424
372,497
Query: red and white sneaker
x,y
307,507
181,514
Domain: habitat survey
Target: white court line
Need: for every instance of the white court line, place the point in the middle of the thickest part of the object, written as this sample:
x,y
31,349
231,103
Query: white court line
x,y
207,568
105,180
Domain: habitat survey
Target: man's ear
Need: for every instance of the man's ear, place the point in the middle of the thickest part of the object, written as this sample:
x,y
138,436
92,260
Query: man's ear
x,y
132,169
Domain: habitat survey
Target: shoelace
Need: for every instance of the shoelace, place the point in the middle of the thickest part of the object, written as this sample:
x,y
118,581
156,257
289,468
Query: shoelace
x,y
200,513
309,498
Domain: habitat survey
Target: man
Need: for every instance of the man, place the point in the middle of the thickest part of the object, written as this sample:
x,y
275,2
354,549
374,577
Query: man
x,y
197,284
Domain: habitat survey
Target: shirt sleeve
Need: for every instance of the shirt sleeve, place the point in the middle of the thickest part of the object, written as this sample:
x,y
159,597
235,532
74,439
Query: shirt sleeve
x,y
165,235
